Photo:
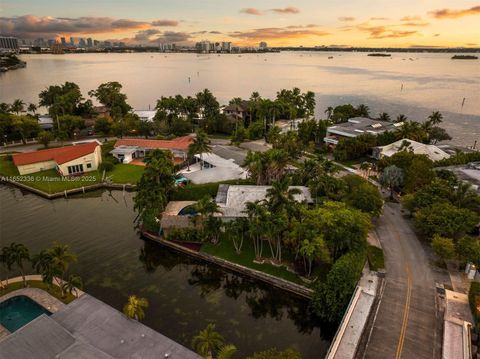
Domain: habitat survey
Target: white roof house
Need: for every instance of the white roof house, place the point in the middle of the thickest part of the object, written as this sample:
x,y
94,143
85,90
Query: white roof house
x,y
45,122
215,169
432,151
232,199
145,115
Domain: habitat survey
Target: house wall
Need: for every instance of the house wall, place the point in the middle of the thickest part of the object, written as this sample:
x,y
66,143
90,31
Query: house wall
x,y
94,158
36,167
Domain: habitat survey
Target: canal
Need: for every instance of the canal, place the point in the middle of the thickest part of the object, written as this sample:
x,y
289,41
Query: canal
x,y
184,294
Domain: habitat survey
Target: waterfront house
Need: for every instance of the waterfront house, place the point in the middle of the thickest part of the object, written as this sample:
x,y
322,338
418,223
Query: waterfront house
x,y
210,167
358,126
68,160
128,149
431,151
89,328
232,199
239,111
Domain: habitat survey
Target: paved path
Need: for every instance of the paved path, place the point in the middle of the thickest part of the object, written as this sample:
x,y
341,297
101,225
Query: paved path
x,y
406,325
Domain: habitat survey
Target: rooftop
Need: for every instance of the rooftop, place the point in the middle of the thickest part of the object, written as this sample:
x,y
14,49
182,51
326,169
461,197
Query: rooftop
x,y
179,143
59,155
432,151
89,328
361,125
232,199
145,115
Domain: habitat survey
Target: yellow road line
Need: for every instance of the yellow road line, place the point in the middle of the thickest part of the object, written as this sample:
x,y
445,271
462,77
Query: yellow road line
x,y
406,312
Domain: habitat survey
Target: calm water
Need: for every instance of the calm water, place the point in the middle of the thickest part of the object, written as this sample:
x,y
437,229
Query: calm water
x,y
184,294
430,81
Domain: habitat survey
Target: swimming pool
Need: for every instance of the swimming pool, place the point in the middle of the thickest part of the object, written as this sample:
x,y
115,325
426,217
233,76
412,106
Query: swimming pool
x,y
17,311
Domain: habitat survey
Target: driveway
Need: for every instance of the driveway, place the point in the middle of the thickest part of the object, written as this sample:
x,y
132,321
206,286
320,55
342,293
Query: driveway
x,y
406,324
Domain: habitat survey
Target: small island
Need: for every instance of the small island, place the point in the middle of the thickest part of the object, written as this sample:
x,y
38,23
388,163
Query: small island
x,y
379,54
464,57
11,62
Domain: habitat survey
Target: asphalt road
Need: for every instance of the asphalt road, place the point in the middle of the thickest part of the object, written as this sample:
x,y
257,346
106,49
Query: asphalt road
x,y
406,324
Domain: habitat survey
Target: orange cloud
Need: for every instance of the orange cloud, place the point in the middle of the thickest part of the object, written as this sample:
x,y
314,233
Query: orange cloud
x,y
346,18
275,33
286,10
385,32
411,18
453,14
251,11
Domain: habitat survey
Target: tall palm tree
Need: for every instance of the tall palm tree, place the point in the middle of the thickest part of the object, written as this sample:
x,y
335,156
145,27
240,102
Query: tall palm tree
x,y
435,118
329,112
281,196
32,108
134,308
384,116
208,341
363,110
7,260
257,214
206,207
401,118
61,259
17,106
72,284
19,253
43,264
200,145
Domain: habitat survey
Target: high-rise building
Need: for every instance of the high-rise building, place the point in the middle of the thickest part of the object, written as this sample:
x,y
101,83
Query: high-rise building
x,y
96,43
72,41
63,42
89,42
263,45
82,43
9,44
226,46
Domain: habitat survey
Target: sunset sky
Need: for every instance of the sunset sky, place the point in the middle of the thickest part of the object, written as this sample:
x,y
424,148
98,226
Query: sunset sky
x,y
400,23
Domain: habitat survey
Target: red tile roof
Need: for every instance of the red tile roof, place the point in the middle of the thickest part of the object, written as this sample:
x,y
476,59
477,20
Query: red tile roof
x,y
179,143
59,155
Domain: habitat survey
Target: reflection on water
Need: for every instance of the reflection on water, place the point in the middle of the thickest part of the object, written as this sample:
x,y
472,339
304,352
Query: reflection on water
x,y
395,85
184,293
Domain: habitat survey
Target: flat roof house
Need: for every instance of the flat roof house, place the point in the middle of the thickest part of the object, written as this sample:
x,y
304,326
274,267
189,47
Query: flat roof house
x,y
232,199
68,160
127,149
215,169
145,115
357,126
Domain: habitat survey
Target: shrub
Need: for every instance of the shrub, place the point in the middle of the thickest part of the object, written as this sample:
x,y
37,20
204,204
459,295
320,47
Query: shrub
x,y
473,295
331,298
443,247
106,166
185,235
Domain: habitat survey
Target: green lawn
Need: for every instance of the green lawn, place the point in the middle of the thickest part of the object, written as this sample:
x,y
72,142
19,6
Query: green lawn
x,y
226,250
124,173
375,258
54,290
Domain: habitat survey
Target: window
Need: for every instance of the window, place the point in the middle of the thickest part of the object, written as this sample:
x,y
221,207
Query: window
x,y
89,165
75,169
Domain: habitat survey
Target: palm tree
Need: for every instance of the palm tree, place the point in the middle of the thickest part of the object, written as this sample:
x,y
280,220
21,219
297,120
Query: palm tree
x,y
363,110
7,260
329,112
206,207
384,116
43,264
281,196
227,351
256,213
32,108
61,259
366,167
435,118
200,145
19,253
207,341
401,118
134,308
72,284
17,106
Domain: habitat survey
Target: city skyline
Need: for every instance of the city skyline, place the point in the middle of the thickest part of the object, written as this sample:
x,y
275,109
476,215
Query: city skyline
x,y
372,23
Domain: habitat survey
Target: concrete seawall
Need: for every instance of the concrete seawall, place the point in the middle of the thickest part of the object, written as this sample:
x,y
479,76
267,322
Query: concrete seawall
x,y
264,277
